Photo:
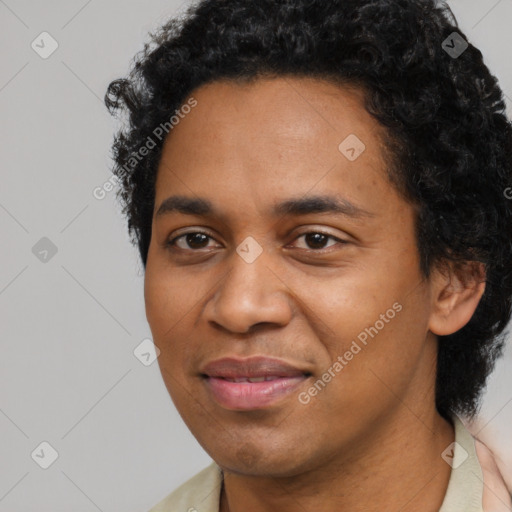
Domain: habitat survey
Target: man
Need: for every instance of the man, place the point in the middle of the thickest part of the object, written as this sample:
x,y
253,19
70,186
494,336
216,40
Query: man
x,y
317,193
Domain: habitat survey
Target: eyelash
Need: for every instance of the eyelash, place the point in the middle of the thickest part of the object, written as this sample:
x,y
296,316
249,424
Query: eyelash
x,y
171,243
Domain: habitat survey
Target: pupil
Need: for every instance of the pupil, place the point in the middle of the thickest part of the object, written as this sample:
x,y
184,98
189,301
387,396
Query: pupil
x,y
194,239
316,240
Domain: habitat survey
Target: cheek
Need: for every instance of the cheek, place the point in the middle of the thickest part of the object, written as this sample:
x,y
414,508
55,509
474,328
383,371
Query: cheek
x,y
374,317
164,309
384,352
343,306
165,301
172,301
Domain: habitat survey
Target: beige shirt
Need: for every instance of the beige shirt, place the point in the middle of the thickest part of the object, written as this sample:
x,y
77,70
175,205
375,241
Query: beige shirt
x,y
464,494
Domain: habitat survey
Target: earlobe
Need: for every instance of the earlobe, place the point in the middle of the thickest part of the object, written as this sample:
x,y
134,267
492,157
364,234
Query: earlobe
x,y
456,291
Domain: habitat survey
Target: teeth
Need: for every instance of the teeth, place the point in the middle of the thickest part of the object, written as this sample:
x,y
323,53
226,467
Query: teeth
x,y
252,379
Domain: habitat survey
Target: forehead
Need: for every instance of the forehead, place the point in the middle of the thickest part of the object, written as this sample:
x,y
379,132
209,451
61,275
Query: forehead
x,y
270,138
281,110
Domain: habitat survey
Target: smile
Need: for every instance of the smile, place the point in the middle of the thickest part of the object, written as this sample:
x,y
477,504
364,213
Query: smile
x,y
246,393
252,383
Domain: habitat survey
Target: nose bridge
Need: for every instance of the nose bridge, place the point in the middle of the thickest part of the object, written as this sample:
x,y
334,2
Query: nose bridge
x,y
249,293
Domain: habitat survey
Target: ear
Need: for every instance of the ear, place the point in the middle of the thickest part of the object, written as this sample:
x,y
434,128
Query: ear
x,y
456,291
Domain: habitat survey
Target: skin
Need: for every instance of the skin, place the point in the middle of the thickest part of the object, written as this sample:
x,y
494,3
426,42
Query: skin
x,y
372,438
496,496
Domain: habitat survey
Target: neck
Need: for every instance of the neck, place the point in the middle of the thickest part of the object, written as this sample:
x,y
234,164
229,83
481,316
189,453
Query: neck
x,y
399,469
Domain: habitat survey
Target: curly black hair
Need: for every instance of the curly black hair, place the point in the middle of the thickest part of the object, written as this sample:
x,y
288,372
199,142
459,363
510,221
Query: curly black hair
x,y
449,141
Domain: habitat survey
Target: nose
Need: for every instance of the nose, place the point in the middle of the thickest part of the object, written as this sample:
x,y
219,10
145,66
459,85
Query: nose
x,y
249,294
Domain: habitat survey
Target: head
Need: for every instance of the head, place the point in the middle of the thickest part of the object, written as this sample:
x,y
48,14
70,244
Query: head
x,y
309,180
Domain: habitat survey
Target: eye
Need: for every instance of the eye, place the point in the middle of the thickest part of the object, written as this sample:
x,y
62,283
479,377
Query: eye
x,y
196,240
192,240
316,240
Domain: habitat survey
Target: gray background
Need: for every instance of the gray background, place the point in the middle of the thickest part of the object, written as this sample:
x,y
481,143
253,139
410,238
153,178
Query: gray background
x,y
70,324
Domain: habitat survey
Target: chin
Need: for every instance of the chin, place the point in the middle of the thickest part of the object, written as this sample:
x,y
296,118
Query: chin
x,y
256,460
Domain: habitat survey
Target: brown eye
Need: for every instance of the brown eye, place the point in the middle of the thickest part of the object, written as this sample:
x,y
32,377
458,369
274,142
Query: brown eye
x,y
191,241
316,240
196,240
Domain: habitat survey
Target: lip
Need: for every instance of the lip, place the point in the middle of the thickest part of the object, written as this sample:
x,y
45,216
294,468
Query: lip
x,y
281,379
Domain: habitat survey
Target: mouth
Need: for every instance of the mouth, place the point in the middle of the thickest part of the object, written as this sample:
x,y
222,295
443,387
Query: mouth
x,y
253,383
251,379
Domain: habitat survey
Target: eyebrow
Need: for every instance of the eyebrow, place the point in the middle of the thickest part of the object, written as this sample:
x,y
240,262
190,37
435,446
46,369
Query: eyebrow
x,y
294,207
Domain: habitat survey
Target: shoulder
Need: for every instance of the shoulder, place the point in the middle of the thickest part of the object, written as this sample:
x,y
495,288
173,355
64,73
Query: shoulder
x,y
482,469
201,493
496,496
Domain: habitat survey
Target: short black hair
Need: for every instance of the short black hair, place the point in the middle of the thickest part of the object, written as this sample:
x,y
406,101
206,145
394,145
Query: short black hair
x,y
447,132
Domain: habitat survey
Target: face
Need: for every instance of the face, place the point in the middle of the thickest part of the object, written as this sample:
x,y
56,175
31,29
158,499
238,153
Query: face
x,y
283,254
